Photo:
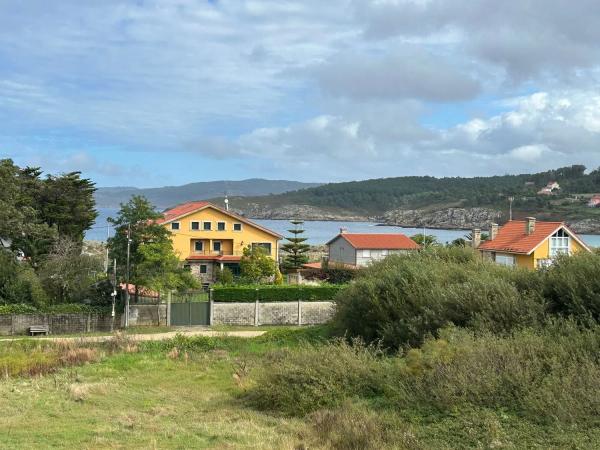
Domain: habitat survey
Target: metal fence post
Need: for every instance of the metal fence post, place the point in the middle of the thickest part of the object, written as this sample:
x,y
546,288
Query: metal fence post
x,y
169,297
210,306
256,307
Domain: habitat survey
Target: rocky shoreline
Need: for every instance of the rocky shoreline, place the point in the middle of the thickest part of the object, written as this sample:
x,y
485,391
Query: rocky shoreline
x,y
448,218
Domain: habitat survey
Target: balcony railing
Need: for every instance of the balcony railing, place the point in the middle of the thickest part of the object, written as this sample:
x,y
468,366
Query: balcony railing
x,y
215,253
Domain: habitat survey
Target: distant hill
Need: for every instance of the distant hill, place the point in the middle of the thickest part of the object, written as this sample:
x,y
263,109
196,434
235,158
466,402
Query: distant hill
x,y
442,202
163,197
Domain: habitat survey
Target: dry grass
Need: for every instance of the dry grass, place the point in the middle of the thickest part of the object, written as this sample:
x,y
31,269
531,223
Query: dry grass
x,y
34,358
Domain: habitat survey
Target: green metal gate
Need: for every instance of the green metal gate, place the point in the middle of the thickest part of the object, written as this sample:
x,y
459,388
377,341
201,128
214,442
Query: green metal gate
x,y
190,313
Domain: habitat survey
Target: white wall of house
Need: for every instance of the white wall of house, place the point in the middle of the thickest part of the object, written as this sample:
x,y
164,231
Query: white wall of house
x,y
340,251
364,257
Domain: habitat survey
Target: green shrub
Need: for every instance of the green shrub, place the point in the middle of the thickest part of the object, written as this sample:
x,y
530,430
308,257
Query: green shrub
x,y
547,375
404,299
358,427
18,308
572,286
298,382
67,308
274,293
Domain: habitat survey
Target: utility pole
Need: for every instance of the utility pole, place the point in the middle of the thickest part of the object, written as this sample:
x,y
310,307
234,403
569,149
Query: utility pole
x,y
113,295
511,199
107,238
127,276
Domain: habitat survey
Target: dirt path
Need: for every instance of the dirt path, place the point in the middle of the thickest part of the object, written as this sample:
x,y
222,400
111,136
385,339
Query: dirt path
x,y
149,336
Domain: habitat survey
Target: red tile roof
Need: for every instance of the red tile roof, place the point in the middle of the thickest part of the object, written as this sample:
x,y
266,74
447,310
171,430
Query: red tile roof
x,y
512,237
190,207
379,241
143,291
181,210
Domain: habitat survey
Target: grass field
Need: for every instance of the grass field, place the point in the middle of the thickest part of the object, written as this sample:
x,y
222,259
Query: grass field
x,y
191,393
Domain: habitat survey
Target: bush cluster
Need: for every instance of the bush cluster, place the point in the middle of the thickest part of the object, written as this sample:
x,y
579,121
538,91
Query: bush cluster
x,y
549,375
404,299
275,293
66,308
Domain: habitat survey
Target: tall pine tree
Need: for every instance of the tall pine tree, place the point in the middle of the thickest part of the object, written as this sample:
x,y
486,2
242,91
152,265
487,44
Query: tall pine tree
x,y
295,248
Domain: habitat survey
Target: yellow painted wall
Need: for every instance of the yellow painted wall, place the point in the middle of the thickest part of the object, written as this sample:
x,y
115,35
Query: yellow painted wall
x,y
543,252
233,242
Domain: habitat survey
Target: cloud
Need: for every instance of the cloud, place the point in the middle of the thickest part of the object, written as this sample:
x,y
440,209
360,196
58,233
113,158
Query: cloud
x,y
406,72
540,131
346,89
525,38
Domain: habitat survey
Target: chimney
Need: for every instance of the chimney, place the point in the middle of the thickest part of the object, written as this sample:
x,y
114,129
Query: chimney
x,y
343,230
529,225
476,237
493,231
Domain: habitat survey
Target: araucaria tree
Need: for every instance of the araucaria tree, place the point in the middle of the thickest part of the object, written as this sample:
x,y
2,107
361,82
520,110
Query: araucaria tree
x,y
295,248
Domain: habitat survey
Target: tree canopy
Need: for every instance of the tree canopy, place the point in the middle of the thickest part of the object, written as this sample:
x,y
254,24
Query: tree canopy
x,y
153,262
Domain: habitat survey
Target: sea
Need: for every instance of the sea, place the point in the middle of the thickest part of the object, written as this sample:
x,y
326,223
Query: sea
x,y
320,231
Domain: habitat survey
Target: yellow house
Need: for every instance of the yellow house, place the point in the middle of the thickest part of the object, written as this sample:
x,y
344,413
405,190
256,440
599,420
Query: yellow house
x,y
527,243
207,237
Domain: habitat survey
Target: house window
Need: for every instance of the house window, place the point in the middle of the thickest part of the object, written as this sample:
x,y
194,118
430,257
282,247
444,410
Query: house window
x,y
559,243
220,226
187,267
505,260
266,246
194,226
175,226
366,253
203,268
237,227
207,226
217,246
198,246
384,252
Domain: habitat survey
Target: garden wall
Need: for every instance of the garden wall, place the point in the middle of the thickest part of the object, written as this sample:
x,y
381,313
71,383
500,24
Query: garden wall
x,y
58,323
148,315
272,313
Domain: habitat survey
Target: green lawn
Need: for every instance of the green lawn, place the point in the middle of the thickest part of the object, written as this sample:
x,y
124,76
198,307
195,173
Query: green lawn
x,y
140,400
151,396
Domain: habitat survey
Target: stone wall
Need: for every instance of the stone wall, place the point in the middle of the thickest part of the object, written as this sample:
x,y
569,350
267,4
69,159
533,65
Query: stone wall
x,y
148,315
233,313
272,313
58,323
314,313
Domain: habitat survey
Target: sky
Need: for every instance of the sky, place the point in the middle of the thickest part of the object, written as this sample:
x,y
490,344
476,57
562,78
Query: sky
x,y
166,92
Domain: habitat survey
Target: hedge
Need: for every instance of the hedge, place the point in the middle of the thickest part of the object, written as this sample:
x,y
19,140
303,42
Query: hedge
x,y
67,308
273,293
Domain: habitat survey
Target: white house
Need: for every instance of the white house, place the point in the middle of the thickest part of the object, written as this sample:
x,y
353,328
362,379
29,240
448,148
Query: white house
x,y
359,249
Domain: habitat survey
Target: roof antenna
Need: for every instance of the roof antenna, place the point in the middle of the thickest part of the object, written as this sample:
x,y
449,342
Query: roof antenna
x,y
226,202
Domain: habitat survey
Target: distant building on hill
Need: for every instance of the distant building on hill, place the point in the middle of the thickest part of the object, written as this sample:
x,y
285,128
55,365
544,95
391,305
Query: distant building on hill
x,y
594,201
550,188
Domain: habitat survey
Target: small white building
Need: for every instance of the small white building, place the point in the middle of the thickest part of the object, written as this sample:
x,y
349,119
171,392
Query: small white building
x,y
359,249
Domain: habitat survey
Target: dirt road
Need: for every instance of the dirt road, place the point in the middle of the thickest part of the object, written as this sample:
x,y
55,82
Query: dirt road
x,y
149,336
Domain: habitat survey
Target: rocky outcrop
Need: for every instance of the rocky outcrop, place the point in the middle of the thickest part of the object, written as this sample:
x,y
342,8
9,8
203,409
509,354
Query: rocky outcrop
x,y
304,212
450,218
585,226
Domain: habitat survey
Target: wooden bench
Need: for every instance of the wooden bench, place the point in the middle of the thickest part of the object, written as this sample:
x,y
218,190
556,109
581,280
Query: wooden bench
x,y
38,329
